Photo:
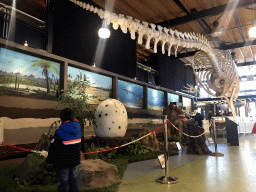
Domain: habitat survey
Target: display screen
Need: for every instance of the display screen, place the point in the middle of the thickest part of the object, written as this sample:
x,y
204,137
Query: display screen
x,y
28,76
155,99
100,86
130,94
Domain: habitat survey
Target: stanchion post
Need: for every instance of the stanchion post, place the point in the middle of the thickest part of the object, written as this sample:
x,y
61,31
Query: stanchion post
x,y
215,140
166,179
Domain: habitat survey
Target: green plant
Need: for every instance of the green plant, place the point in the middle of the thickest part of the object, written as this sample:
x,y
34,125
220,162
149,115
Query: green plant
x,y
76,98
137,148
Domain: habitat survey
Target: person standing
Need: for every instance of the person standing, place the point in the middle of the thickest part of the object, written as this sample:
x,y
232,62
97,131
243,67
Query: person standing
x,y
65,150
210,115
199,119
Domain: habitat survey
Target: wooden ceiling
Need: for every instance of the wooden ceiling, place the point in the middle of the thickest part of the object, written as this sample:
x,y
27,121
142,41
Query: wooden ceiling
x,y
234,18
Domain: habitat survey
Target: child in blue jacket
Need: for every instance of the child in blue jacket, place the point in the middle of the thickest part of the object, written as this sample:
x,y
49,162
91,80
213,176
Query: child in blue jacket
x,y
64,151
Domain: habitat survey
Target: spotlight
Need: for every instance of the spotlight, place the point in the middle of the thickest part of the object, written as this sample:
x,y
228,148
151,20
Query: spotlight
x,y
104,32
26,43
252,31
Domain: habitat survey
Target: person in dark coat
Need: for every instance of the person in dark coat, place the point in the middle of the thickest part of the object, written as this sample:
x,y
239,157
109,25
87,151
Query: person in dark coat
x,y
210,115
65,150
199,119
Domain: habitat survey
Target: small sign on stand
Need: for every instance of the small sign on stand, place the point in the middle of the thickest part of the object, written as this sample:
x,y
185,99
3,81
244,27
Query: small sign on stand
x,y
210,140
161,161
178,146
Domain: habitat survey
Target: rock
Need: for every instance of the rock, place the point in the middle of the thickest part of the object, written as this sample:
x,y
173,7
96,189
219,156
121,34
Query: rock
x,y
30,166
151,140
96,173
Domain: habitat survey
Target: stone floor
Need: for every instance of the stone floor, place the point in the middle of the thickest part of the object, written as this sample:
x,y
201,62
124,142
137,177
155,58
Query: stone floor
x,y
234,172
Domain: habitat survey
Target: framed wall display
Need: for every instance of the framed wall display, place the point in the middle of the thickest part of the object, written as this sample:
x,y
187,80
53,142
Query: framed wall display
x,y
187,104
173,98
28,76
130,94
100,85
155,99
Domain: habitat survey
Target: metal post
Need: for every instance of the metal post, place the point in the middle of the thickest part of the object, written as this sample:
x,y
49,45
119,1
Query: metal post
x,y
215,141
166,179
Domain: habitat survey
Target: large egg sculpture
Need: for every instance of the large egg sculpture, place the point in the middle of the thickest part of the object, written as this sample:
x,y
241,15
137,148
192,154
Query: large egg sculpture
x,y
111,119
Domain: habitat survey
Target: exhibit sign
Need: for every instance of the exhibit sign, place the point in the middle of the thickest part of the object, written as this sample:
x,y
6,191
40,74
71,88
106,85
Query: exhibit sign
x,y
100,87
28,76
161,161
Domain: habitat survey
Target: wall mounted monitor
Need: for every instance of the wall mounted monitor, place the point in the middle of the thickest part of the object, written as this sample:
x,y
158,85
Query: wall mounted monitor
x,y
28,76
130,94
100,86
155,99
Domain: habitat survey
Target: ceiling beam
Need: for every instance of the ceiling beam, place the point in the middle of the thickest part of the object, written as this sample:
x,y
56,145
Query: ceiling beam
x,y
245,64
205,13
238,45
239,27
222,47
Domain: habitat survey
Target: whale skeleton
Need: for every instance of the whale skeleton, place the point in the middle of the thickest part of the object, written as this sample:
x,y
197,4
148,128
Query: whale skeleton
x,y
213,66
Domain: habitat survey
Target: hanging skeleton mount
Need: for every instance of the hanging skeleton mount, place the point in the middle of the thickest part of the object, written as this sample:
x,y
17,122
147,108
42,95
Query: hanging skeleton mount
x,y
215,66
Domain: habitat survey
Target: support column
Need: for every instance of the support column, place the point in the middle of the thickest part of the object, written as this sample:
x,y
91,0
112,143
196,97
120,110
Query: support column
x,y
114,88
63,75
49,26
145,97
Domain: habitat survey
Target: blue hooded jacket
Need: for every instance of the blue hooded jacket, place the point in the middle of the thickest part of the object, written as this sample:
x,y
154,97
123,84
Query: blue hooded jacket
x,y
65,147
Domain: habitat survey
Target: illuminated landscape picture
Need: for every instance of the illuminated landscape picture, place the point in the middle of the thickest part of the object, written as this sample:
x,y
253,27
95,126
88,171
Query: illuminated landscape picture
x,y
27,76
100,85
155,99
130,94
187,104
173,98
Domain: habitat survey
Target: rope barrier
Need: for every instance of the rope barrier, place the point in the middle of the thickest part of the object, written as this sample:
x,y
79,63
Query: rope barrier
x,y
185,133
113,148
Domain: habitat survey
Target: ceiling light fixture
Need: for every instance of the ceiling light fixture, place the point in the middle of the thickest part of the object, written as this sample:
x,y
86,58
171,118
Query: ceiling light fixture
x,y
252,31
104,32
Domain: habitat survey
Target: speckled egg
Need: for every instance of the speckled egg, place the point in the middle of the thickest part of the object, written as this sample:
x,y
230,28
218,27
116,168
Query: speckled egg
x,y
111,119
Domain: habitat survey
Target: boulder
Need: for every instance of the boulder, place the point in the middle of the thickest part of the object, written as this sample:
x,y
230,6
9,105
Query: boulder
x,y
96,173
34,170
30,166
151,140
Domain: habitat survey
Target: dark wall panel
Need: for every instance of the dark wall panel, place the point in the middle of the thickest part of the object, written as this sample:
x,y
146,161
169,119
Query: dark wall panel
x,y
75,36
172,73
190,77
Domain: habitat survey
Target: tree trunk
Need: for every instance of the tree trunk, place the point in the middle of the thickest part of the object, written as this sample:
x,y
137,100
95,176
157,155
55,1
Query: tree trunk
x,y
197,145
47,80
